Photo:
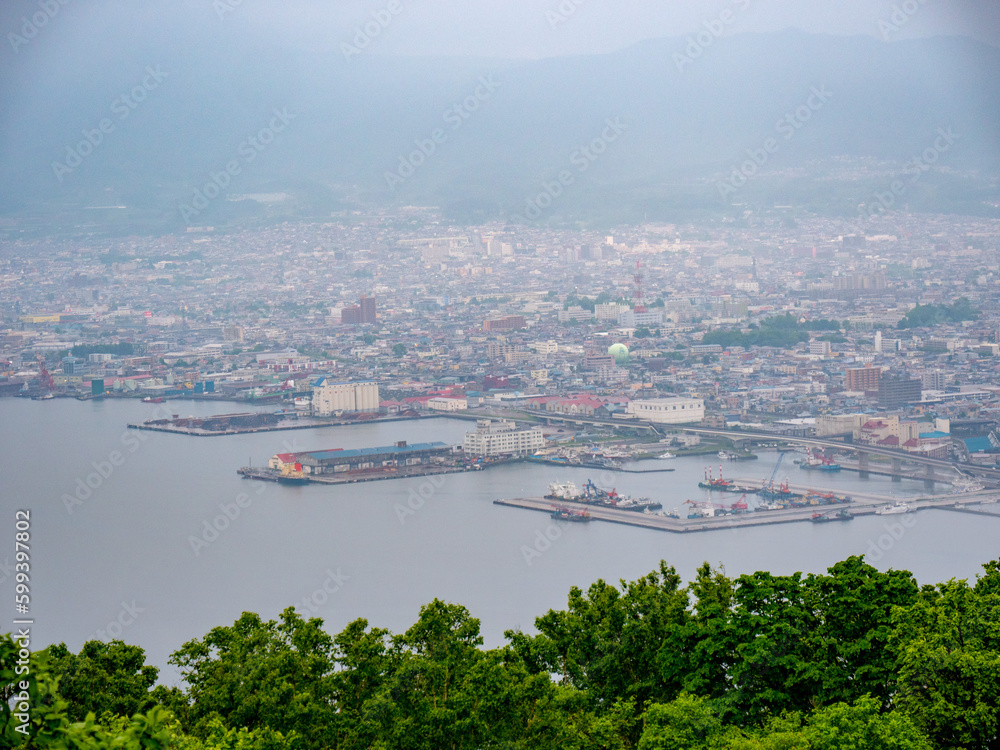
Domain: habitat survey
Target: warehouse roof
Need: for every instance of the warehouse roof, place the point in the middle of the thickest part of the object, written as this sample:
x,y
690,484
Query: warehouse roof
x,y
364,452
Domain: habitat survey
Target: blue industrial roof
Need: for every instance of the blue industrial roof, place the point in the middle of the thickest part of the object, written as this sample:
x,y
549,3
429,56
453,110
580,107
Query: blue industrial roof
x,y
978,445
935,434
362,452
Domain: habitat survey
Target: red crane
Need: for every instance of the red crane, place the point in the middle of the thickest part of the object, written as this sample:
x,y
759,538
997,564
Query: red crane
x,y
44,378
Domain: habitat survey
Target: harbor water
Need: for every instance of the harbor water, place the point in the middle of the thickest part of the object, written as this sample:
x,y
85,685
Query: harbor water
x,y
154,539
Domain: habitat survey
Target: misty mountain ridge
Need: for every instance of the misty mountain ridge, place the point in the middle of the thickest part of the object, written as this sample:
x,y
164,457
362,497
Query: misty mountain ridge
x,y
813,120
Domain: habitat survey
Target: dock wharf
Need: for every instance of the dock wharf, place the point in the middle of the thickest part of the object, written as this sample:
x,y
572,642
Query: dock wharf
x,y
864,505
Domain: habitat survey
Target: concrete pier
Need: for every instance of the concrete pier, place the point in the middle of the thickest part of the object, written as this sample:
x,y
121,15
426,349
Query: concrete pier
x,y
864,506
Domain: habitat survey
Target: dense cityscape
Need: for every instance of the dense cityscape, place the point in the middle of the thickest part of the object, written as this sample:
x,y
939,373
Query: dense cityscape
x,y
796,324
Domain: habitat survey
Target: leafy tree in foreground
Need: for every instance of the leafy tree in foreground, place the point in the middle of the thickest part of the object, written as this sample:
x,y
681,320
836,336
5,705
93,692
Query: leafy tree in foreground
x,y
948,646
103,677
854,659
258,674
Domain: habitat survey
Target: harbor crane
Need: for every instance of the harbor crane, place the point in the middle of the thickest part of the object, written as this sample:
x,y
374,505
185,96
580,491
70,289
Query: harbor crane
x,y
44,377
769,483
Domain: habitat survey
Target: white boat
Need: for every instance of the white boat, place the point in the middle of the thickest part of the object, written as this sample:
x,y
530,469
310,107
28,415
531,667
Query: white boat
x,y
892,510
665,456
563,491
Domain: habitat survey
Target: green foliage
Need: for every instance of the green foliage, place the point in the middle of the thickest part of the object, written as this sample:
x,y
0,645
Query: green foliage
x,y
109,677
853,659
226,670
119,350
924,316
399,350
585,302
948,647
781,332
48,723
687,723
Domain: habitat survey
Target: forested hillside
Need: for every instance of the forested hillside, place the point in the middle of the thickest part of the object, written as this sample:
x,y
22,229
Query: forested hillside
x,y
855,658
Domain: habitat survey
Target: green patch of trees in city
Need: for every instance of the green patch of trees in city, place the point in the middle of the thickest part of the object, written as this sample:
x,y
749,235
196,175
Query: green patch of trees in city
x,y
924,316
781,332
854,658
124,349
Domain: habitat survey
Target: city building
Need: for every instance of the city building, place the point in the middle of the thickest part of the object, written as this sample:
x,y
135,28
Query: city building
x,y
368,311
362,314
331,398
896,391
863,378
668,410
501,439
508,323
444,403
933,380
233,333
609,312
634,318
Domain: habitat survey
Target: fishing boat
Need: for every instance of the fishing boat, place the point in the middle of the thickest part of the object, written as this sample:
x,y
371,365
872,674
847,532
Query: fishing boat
x,y
841,515
894,509
575,516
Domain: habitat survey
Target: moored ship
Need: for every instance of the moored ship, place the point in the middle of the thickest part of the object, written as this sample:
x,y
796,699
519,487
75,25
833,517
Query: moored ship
x,y
840,515
575,516
894,509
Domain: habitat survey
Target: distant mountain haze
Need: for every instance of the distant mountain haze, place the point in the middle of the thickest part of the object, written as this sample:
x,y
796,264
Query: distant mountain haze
x,y
663,126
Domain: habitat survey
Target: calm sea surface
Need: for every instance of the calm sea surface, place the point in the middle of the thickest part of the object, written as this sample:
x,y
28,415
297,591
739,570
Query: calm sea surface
x,y
140,557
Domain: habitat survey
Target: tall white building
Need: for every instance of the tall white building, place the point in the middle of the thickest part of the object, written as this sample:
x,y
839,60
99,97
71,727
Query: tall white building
x,y
330,398
609,312
633,319
668,410
502,438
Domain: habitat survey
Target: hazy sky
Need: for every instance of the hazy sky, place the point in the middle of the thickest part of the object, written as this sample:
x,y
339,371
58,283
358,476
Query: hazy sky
x,y
514,28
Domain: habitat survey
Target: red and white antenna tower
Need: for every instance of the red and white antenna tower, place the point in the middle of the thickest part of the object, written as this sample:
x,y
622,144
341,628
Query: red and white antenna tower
x,y
639,306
